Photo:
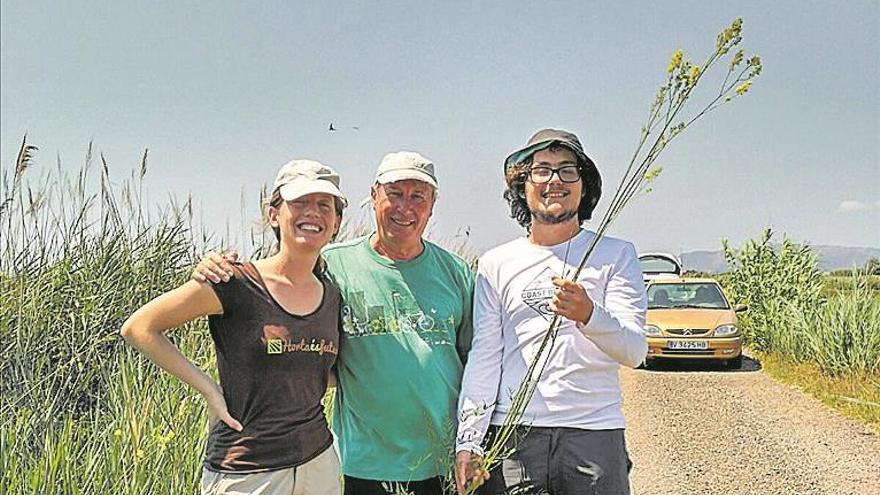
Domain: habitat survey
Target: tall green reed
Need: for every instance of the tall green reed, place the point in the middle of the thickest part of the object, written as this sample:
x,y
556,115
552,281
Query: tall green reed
x,y
842,334
789,312
81,412
771,281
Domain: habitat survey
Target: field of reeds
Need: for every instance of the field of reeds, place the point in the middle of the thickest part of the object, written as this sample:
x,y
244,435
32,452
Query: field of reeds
x,y
83,413
797,312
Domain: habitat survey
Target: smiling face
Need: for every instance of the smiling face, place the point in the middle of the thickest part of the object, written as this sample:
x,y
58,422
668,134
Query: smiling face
x,y
403,209
555,201
307,222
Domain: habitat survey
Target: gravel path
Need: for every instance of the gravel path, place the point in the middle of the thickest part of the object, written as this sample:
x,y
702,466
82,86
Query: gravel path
x,y
701,430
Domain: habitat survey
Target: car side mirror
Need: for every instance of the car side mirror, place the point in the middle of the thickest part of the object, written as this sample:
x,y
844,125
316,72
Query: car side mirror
x,y
739,308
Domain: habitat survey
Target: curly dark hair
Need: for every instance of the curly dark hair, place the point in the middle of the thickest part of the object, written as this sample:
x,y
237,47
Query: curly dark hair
x,y
515,194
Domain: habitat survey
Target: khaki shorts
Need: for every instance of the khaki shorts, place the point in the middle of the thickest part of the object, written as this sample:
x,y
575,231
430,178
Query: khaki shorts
x,y
320,476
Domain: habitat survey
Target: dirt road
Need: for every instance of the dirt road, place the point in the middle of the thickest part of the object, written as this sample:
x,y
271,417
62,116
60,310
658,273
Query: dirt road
x,y
704,430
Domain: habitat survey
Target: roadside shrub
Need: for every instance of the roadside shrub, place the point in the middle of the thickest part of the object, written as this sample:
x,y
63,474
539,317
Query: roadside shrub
x,y
842,334
791,311
773,283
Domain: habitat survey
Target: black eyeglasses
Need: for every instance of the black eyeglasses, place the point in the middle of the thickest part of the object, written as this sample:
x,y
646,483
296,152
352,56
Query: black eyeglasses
x,y
542,175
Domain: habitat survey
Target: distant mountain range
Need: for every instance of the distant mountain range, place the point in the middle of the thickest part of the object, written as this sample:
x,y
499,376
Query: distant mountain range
x,y
830,258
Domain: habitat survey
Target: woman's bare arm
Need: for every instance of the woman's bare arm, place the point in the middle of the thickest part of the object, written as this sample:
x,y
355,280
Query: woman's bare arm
x,y
146,328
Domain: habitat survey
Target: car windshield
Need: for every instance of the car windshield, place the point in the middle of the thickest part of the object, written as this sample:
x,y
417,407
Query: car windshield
x,y
657,264
686,295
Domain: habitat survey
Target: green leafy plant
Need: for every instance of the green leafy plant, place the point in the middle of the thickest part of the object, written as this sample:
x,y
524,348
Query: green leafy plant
x,y
791,312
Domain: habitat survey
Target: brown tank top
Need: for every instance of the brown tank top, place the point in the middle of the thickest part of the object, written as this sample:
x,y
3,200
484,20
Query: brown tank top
x,y
273,368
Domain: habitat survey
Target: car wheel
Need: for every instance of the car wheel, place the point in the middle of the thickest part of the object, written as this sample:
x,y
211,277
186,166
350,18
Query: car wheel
x,y
735,363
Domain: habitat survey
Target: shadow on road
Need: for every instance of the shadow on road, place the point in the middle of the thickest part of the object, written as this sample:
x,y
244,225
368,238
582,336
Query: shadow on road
x,y
749,364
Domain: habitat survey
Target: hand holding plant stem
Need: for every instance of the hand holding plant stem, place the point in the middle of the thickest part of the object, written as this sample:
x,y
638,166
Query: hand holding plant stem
x,y
665,123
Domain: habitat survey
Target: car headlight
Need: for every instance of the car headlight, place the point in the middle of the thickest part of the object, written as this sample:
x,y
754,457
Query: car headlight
x,y
652,331
725,330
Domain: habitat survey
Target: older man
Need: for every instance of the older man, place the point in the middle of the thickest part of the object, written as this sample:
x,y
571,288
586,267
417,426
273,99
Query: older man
x,y
572,437
407,329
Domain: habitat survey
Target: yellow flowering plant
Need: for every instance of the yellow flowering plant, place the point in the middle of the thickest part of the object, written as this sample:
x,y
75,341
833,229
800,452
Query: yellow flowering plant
x,y
665,122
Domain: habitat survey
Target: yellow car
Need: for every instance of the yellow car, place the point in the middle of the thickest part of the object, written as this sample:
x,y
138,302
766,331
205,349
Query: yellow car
x,y
689,318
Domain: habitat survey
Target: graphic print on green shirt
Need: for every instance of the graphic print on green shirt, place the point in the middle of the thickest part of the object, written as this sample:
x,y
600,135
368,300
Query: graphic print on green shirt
x,y
404,315
406,326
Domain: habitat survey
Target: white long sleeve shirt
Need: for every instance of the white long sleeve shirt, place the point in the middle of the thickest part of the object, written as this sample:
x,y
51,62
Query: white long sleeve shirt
x,y
579,387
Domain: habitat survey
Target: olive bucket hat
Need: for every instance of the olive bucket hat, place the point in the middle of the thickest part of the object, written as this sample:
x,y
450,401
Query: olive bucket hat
x,y
546,138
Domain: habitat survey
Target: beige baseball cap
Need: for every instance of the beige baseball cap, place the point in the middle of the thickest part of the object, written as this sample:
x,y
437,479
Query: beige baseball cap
x,y
404,165
300,177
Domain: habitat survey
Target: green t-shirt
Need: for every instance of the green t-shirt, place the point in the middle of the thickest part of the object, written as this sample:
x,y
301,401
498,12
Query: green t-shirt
x,y
406,332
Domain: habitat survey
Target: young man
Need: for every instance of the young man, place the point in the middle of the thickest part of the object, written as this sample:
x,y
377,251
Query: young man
x,y
406,319
572,434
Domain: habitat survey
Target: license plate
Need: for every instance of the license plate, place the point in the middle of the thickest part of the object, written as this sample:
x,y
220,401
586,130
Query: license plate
x,y
687,344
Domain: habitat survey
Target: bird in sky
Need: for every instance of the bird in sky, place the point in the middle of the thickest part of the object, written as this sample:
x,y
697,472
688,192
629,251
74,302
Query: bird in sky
x,y
331,129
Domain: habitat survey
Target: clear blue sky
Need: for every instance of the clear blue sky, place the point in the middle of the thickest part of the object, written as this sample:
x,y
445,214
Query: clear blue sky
x,y
223,94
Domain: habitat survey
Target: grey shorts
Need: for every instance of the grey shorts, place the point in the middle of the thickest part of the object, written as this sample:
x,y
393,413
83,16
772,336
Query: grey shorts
x,y
562,461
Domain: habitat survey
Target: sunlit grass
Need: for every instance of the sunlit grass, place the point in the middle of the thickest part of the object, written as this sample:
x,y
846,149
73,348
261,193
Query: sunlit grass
x,y
820,334
853,395
81,411
789,314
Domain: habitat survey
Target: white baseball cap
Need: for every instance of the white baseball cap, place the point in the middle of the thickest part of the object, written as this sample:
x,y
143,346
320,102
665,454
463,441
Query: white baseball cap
x,y
404,165
300,177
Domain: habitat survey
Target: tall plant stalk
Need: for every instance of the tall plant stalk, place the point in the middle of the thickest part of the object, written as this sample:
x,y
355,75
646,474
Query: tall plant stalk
x,y
666,121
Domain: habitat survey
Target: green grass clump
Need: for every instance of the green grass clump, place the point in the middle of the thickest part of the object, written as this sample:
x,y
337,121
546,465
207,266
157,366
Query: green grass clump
x,y
835,285
854,395
842,333
792,312
81,411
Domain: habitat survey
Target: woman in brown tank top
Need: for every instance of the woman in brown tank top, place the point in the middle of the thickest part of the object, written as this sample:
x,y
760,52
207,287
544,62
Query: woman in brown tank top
x,y
275,325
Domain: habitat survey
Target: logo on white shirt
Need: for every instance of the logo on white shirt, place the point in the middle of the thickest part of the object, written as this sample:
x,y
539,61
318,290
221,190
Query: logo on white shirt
x,y
538,293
